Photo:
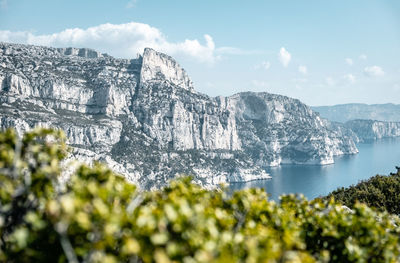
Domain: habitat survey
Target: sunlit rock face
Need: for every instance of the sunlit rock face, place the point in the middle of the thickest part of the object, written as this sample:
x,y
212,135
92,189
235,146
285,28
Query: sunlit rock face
x,y
158,67
144,118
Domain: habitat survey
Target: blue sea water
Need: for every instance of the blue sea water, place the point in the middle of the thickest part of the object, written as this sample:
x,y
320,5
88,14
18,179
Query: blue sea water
x,y
376,157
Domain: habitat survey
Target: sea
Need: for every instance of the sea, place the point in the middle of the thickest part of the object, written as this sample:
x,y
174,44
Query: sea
x,y
374,157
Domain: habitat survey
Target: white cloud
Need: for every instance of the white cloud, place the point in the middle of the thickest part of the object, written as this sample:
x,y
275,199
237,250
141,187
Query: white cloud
x,y
329,81
284,57
259,84
119,40
264,65
303,70
349,61
363,57
374,71
396,87
350,78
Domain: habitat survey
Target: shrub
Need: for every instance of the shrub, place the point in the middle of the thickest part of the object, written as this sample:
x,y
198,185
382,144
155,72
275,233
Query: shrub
x,y
381,192
99,217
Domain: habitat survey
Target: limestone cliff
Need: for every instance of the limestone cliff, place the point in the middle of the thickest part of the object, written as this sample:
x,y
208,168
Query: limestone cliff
x,y
144,118
372,129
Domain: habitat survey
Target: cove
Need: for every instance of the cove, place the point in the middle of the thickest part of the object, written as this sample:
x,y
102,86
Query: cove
x,y
375,157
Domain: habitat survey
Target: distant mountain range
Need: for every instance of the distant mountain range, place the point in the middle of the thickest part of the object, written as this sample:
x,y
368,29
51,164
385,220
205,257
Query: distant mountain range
x,y
372,130
353,111
368,122
143,117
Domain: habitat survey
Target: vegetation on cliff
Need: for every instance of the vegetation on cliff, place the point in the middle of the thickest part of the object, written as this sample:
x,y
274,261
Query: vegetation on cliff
x,y
381,192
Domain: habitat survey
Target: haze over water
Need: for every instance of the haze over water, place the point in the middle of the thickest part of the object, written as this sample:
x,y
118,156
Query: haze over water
x,y
378,157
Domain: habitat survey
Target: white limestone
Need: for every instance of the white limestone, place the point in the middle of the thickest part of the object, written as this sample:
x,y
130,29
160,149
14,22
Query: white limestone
x,y
143,118
157,66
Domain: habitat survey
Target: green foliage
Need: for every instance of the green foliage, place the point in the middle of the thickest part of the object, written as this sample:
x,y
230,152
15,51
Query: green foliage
x,y
381,192
99,217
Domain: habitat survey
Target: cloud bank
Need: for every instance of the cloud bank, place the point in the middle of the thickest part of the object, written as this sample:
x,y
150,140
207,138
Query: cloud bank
x,y
119,40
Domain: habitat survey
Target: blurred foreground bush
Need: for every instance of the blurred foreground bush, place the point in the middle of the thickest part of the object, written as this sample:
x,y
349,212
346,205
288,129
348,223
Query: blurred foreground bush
x,y
99,217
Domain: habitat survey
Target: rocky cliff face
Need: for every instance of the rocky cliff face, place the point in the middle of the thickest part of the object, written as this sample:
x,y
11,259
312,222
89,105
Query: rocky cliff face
x,y
143,117
372,130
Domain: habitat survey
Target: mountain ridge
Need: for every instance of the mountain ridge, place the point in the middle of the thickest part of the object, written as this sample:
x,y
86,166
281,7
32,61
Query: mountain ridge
x,y
352,111
143,117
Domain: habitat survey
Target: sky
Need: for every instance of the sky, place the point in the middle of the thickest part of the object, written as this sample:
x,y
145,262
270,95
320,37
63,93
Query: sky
x,y
321,52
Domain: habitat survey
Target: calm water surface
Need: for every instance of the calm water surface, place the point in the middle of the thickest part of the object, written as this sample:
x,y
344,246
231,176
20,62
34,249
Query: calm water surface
x,y
377,157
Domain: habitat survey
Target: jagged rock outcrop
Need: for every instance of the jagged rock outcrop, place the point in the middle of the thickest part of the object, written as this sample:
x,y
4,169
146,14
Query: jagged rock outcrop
x,y
81,52
372,130
143,117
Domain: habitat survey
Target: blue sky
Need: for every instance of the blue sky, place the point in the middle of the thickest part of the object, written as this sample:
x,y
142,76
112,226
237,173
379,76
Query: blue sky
x,y
321,52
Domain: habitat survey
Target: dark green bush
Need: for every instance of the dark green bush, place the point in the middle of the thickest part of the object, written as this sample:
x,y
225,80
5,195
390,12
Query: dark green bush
x,y
381,192
99,217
